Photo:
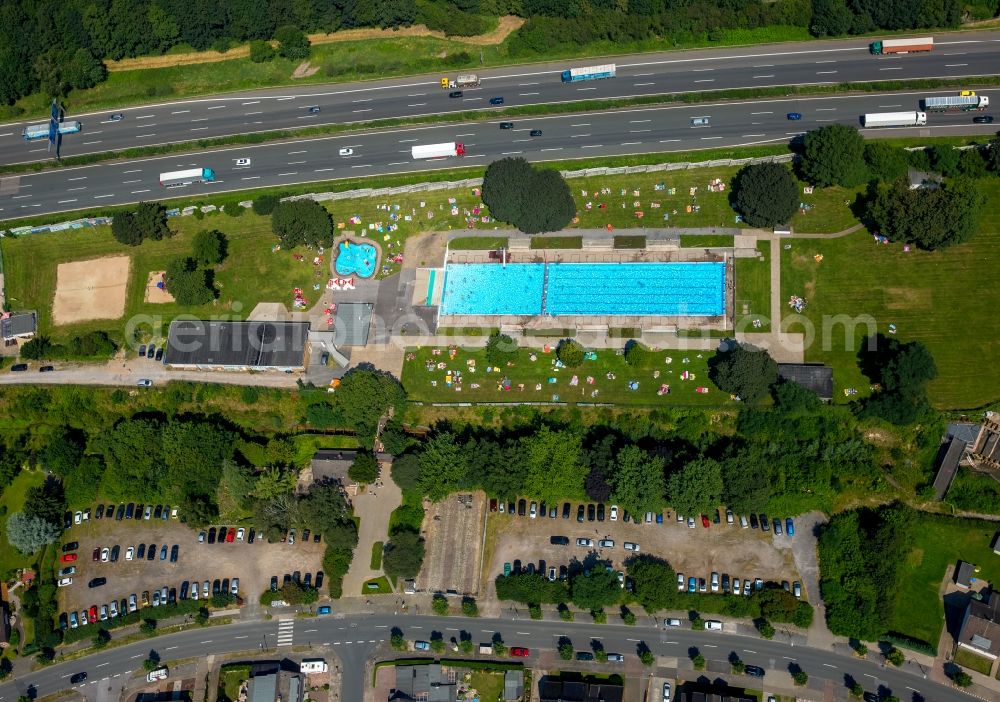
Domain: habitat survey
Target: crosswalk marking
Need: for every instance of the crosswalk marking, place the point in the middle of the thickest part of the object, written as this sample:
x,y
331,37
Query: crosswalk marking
x,y
286,631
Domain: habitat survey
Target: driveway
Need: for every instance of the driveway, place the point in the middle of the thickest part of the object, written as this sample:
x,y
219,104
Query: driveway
x,y
374,506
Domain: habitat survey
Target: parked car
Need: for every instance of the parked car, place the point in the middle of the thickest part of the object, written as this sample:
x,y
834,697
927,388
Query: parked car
x,y
421,646
659,517
115,552
704,521
64,582
533,510
105,554
690,522
48,369
163,552
584,656
600,512
692,584
67,571
222,535
252,535
113,609
613,516
713,625
629,546
559,540
744,524
325,609
104,613
671,622
777,527
797,588
522,506
579,513
666,692
174,550
566,509
789,526
715,581
519,652
680,582
68,558
754,671
764,525
148,512
132,603
729,517
235,587
606,543
616,658
204,590
71,546
584,542
753,521
18,367
736,586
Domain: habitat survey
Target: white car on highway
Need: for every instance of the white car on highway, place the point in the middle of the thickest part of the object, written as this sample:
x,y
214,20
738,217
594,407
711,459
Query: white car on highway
x,y
346,151
242,162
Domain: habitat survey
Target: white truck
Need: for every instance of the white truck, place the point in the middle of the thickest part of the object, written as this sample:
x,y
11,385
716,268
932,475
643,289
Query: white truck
x,y
313,665
894,119
438,150
465,80
956,103
574,75
486,649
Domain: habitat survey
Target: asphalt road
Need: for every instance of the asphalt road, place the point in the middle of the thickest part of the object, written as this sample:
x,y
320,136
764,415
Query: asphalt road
x,y
955,55
583,135
354,638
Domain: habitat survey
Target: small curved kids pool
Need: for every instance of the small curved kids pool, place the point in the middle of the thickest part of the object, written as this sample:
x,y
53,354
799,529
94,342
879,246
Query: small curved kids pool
x,y
354,258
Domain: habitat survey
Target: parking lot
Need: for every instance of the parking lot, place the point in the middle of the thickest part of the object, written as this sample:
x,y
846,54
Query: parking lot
x,y
253,564
453,533
694,552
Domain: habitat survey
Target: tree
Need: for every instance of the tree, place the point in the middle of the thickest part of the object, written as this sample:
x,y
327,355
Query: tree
x,y
800,677
187,283
596,590
698,661
202,616
404,555
83,70
439,604
442,466
993,156
396,640
152,661
653,581
302,222
500,349
292,42
261,51
961,678
566,651
530,588
696,488
272,482
38,348
102,638
930,218
28,533
743,371
366,394
971,164
834,155
903,371
6,668
394,438
857,690
46,501
638,483
551,465
895,656
570,352
885,161
148,627
265,204
944,159
830,18
469,607
364,470
406,472
533,200
635,353
765,194
209,247
766,630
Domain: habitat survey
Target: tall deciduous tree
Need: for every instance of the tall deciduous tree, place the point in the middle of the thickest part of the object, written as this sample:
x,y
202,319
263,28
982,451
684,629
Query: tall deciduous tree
x,y
765,194
834,155
743,371
637,482
654,582
552,465
403,556
885,161
28,533
298,222
696,488
533,200
365,394
187,283
442,466
596,590
930,218
364,469
209,247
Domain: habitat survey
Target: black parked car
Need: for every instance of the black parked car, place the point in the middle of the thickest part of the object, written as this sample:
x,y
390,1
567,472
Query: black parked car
x,y
764,525
71,546
97,582
316,537
521,504
754,671
184,590
129,510
159,354
579,513
173,553
600,512
150,351
67,520
511,507
753,521
138,511
305,535
319,579
274,583
115,552
172,597
565,510
559,540
591,513
284,581
307,580
165,514
158,511
140,552
222,535
541,510
151,552
216,586
251,535
211,535
120,514
99,513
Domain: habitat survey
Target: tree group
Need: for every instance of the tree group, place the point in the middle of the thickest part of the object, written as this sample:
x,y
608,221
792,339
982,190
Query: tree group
x,y
533,200
765,194
147,221
834,155
931,218
302,222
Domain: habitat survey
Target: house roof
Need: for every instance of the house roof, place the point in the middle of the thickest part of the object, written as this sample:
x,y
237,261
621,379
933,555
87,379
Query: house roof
x,y
513,685
263,688
981,627
425,682
18,324
813,376
948,467
228,344
331,464
351,323
963,574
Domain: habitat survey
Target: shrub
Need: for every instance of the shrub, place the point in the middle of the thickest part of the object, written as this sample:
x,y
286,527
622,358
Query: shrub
x,y
570,352
265,204
261,51
440,605
469,607
800,677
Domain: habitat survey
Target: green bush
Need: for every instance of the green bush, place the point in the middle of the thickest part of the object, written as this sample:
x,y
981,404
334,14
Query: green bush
x,y
261,51
265,204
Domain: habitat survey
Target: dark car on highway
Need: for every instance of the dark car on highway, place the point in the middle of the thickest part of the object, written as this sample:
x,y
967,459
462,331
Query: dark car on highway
x,y
78,678
506,125
314,109
536,132
983,119
455,94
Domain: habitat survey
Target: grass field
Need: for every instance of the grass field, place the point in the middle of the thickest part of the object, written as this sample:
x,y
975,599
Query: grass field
x,y
701,241
939,541
489,685
376,586
941,298
478,243
753,289
230,679
12,500
431,385
967,659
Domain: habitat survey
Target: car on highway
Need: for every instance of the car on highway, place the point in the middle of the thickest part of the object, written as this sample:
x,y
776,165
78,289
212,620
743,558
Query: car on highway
x,y
794,116
242,162
983,119
455,94
699,121
346,151
496,100
584,542
145,383
506,125
314,109
78,678
116,117
535,133
519,652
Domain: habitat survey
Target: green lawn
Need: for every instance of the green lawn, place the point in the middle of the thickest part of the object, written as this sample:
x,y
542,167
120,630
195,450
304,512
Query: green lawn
x,y
939,541
489,685
379,586
702,241
942,298
478,243
967,659
230,679
753,289
12,500
431,386
556,242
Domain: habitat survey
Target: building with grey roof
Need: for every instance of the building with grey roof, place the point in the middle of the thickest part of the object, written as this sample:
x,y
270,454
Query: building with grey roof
x,y
513,685
18,325
426,683
980,631
229,345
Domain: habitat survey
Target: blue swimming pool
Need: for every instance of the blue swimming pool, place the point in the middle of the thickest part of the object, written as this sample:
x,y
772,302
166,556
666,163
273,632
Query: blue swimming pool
x,y
557,289
355,258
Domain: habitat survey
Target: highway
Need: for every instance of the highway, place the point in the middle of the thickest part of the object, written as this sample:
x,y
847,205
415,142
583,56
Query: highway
x,y
809,63
353,639
381,152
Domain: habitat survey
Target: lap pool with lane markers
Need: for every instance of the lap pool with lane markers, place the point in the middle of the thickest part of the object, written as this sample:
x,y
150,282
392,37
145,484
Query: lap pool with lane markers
x,y
563,289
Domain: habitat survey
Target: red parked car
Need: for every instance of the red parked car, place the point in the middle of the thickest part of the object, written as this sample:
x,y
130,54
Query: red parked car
x,y
704,521
68,558
93,614
230,536
519,652
96,555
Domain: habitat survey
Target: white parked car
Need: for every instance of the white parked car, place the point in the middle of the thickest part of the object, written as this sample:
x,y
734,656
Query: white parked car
x,y
629,546
680,582
158,674
63,582
242,162
713,625
715,581
239,533
235,586
614,513
346,151
129,553
584,542
606,543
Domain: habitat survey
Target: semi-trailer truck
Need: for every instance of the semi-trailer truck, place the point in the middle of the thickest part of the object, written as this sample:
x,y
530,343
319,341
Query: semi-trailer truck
x,y
438,150
467,80
894,119
41,131
589,73
174,179
901,46
956,103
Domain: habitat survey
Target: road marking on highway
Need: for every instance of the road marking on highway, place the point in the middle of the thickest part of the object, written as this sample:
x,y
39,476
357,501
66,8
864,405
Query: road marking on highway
x,y
639,131
101,665
527,93
367,109
179,112
747,650
519,141
136,192
239,637
322,170
824,73
668,141
403,141
576,136
18,197
867,675
706,80
98,197
134,170
169,648
399,163
794,133
363,100
69,190
788,658
363,165
764,65
138,655
769,75
417,95
127,182
472,98
633,143
912,688
826,109
198,129
96,131
828,61
145,136
88,143
592,146
252,102
250,178
258,112
217,107
63,202
146,117
642,84
77,178
745,136
830,665
890,105
295,163
634,640
7,134
207,642
955,65
522,85
510,153
417,104
461,135
559,148
305,116
285,98
288,174
761,113
309,631
639,121
35,151
586,88
710,646
702,70
892,68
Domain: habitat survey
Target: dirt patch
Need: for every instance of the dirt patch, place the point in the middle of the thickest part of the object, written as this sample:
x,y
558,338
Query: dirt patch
x,y
155,294
907,298
253,564
425,250
453,530
304,70
88,290
506,26
694,552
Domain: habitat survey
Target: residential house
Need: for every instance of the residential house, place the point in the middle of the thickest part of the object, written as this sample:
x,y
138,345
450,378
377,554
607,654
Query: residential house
x,y
980,631
426,683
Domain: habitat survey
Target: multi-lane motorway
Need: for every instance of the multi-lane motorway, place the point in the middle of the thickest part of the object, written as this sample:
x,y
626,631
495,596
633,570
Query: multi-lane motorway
x,y
955,55
564,137
354,638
